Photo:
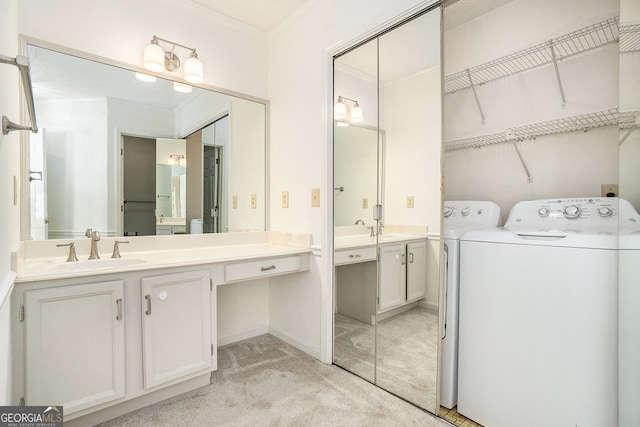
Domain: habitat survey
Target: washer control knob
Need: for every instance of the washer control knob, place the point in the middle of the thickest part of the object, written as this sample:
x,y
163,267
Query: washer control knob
x,y
447,211
466,211
543,212
605,211
572,212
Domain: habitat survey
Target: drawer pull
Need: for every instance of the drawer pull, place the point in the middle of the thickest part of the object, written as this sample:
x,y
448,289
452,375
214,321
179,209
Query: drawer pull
x,y
148,298
355,256
271,267
119,305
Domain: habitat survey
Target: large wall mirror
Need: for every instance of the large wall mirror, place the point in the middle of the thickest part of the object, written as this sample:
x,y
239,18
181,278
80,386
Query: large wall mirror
x,y
387,208
131,157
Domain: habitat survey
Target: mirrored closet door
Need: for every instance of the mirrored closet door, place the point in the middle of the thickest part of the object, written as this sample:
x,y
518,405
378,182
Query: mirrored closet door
x,y
387,208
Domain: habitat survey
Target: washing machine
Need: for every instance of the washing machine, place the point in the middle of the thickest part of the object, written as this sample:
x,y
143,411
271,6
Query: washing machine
x,y
629,317
459,217
538,317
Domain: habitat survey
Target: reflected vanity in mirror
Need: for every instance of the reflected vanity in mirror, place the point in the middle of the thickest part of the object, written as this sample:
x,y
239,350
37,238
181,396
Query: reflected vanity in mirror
x,y
126,154
387,209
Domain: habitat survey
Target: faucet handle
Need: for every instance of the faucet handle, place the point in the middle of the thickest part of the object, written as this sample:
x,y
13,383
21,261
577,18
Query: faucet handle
x,y
72,251
116,248
371,229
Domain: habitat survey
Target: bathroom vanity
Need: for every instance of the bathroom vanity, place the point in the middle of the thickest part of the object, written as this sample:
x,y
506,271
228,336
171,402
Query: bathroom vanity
x,y
106,336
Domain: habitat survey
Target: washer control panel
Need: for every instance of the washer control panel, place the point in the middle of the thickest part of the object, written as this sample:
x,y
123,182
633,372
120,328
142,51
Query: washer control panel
x,y
558,214
471,213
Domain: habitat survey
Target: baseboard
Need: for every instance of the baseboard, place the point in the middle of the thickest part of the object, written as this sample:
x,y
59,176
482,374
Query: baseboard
x,y
315,353
428,304
229,339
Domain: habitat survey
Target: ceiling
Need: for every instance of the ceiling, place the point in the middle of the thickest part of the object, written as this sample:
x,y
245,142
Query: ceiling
x,y
262,14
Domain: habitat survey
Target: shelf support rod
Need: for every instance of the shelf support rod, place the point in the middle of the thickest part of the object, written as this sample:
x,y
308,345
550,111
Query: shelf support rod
x,y
524,165
22,62
626,135
555,65
473,88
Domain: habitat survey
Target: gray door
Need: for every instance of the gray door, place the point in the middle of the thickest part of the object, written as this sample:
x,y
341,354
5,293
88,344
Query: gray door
x,y
139,182
212,189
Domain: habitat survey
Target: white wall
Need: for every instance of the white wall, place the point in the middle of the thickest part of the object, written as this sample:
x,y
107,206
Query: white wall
x,y
9,212
301,305
565,165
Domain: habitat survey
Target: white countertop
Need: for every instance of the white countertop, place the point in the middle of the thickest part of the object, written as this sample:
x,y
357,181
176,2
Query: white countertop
x,y
36,263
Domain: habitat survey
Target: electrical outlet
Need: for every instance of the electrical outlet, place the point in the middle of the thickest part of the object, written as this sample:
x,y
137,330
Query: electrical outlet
x,y
410,202
285,199
315,197
253,201
365,203
235,202
609,190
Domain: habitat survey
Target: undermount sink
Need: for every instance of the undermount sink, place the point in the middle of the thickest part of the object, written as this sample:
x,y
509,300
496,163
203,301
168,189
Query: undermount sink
x,y
98,264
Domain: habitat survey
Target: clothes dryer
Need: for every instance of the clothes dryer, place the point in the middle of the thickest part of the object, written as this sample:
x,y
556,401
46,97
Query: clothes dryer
x,y
459,217
538,316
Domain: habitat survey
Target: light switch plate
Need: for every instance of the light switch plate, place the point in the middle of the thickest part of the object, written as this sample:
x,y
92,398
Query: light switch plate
x,y
235,202
410,202
285,199
253,201
315,197
365,203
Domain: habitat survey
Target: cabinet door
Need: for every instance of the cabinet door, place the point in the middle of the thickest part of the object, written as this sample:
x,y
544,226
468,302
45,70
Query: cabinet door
x,y
74,339
392,277
176,311
416,271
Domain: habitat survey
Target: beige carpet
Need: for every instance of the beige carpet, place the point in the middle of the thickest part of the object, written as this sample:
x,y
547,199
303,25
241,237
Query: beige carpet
x,y
266,382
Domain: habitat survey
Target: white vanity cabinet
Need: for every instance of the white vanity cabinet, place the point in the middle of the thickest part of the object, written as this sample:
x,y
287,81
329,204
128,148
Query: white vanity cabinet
x,y
176,319
403,274
74,345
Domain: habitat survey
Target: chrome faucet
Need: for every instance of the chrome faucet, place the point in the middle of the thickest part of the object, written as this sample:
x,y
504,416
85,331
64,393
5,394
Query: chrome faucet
x,y
94,236
359,222
380,228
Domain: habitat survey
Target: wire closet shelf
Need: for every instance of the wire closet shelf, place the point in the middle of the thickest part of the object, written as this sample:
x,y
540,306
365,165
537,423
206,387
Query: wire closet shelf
x,y
630,38
563,47
583,122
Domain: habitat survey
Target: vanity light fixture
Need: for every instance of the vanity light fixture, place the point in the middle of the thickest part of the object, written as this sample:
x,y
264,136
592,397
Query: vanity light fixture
x,y
177,160
340,111
156,59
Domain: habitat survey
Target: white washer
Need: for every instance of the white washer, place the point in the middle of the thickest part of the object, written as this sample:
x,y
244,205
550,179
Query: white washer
x,y
538,317
459,217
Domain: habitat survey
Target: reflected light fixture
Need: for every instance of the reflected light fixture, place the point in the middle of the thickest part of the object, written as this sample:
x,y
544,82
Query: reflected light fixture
x,y
145,77
181,87
340,111
177,160
157,59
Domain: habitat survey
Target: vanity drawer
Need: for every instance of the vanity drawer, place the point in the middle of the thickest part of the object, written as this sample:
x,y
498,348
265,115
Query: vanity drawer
x,y
262,268
350,256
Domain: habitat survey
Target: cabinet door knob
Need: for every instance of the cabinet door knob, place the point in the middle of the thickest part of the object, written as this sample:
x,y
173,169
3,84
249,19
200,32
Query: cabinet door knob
x,y
119,305
148,298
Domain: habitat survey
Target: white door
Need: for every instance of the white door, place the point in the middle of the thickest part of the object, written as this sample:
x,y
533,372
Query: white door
x,y
416,271
37,186
176,311
74,338
392,277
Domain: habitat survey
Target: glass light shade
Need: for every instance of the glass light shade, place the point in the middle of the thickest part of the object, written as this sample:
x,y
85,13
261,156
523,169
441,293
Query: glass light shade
x,y
181,87
193,70
145,77
183,161
171,161
357,115
342,124
340,111
154,58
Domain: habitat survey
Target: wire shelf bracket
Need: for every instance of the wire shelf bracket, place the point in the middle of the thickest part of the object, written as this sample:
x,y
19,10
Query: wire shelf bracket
x,y
630,38
629,121
22,62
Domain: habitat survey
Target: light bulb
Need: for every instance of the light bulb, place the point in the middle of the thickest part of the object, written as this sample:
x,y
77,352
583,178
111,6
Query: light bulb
x,y
357,114
154,57
193,70
339,110
170,162
181,87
